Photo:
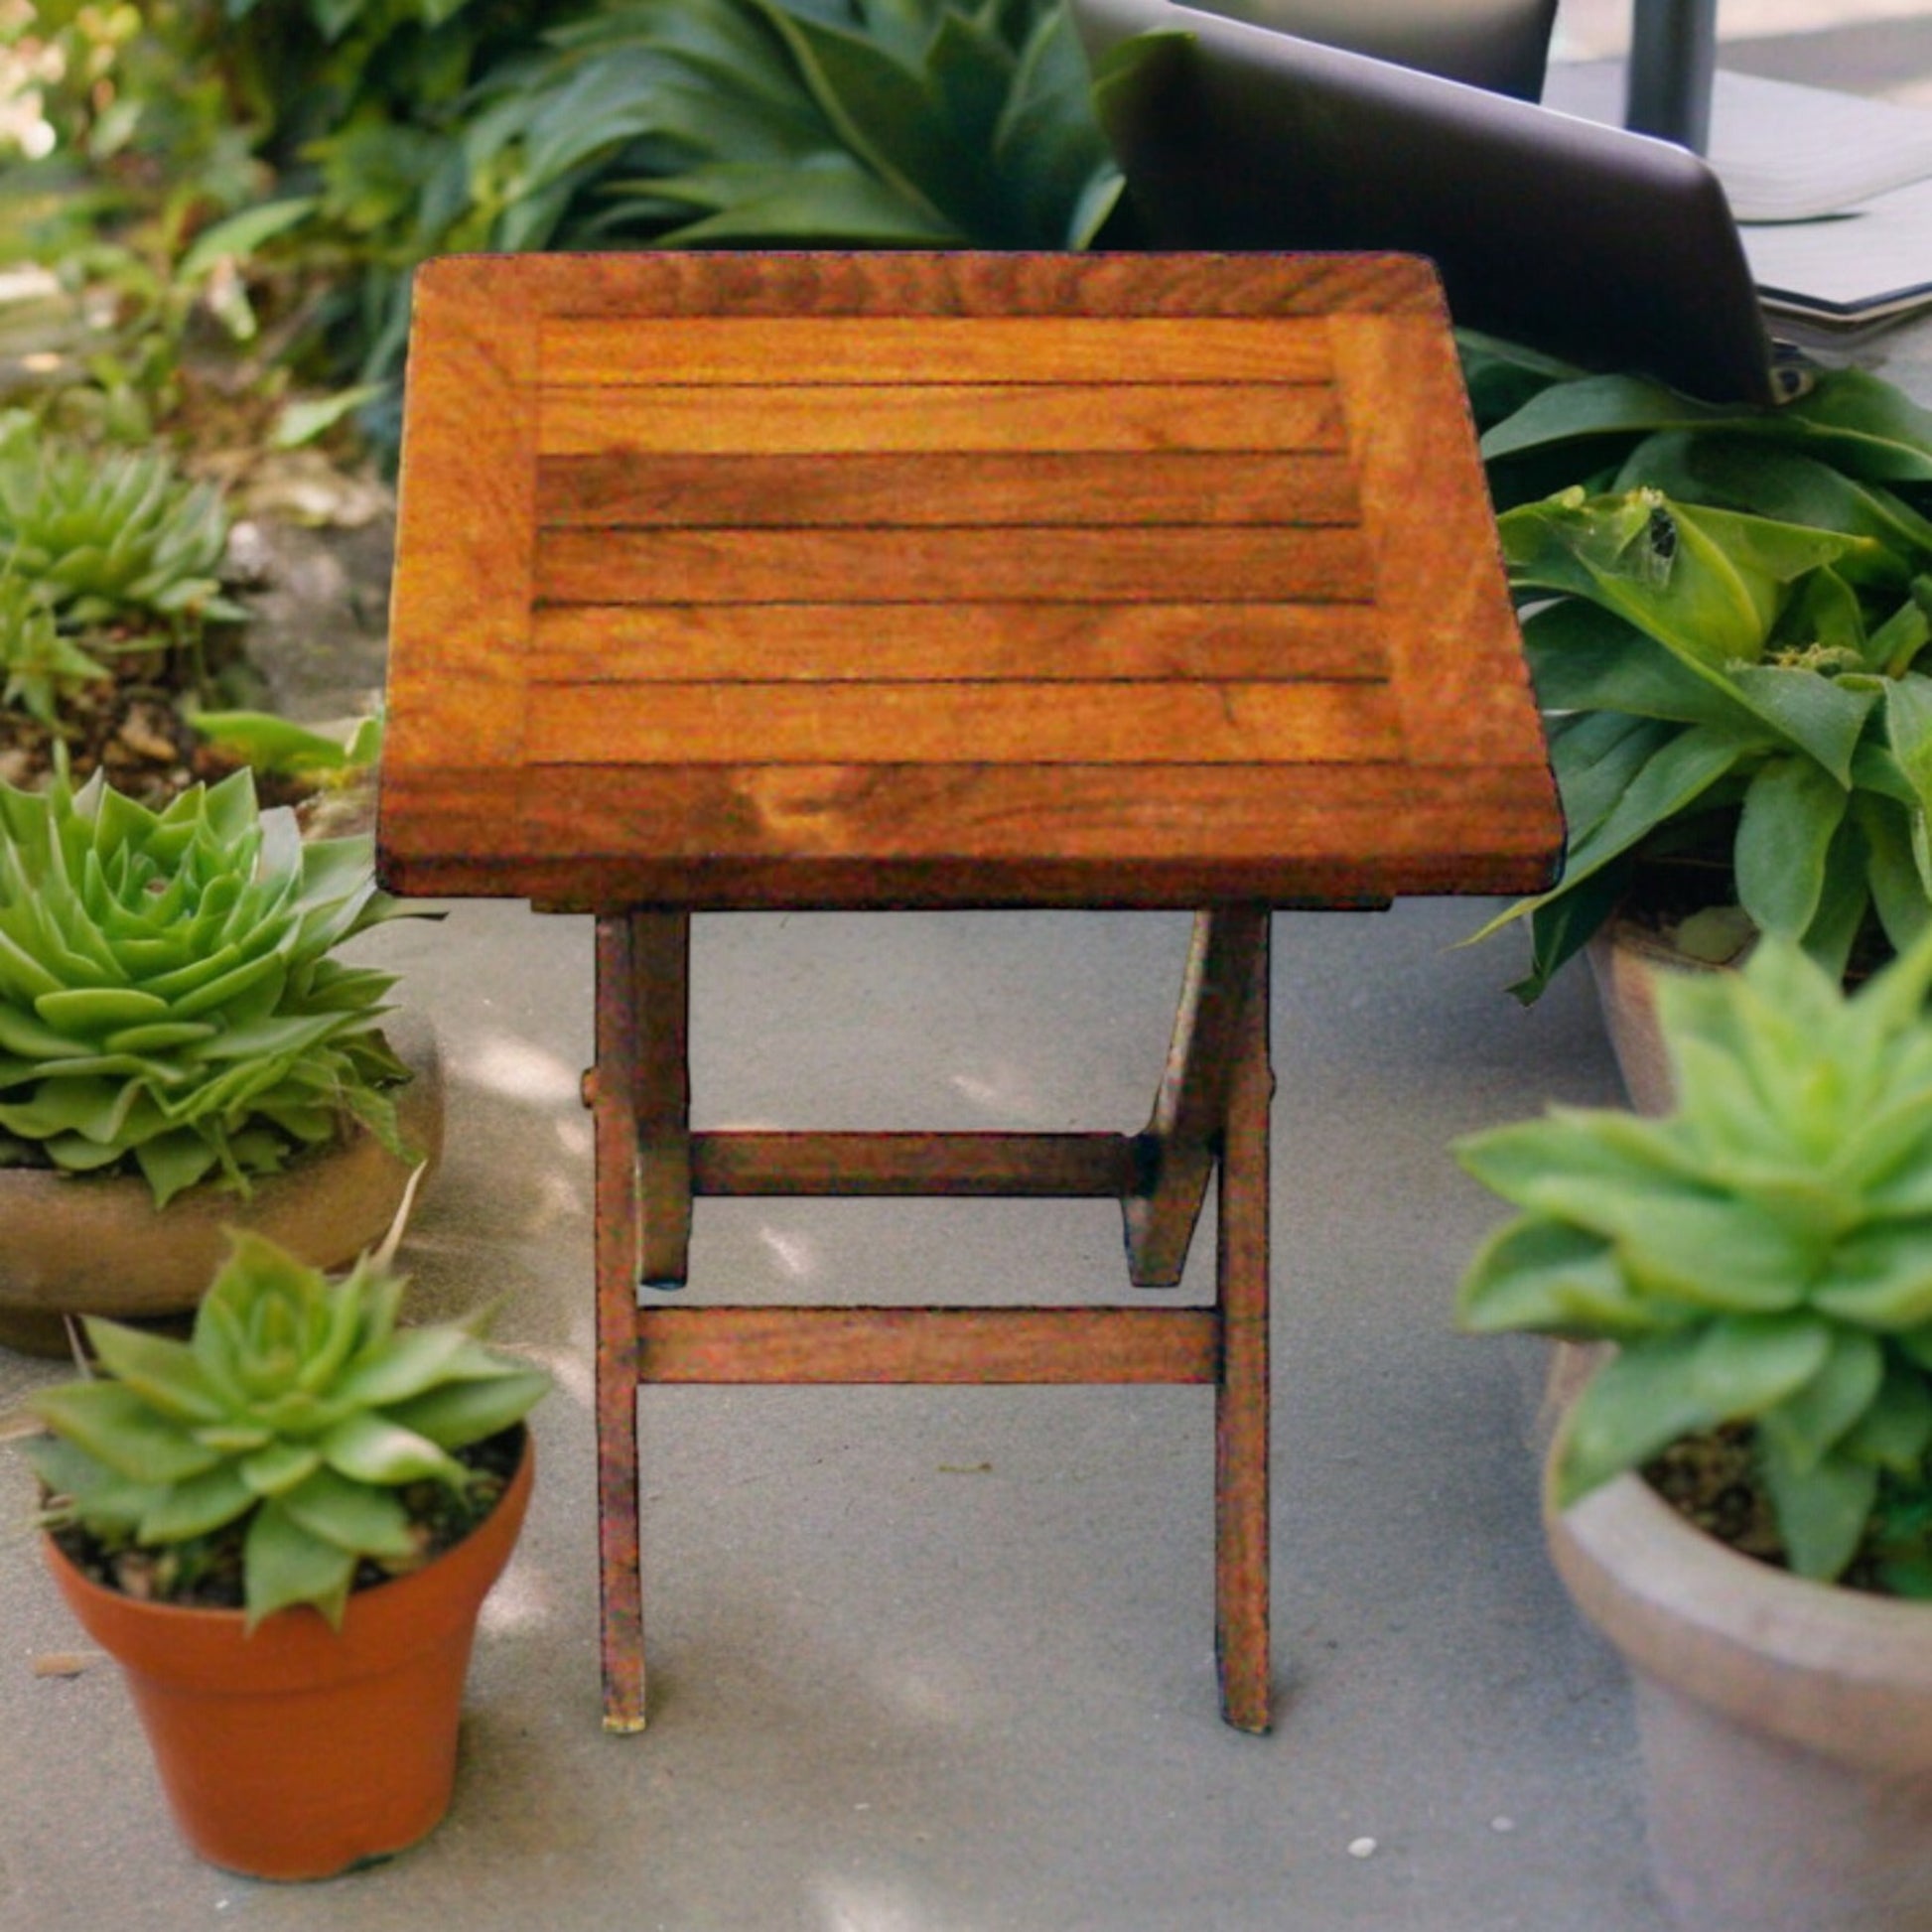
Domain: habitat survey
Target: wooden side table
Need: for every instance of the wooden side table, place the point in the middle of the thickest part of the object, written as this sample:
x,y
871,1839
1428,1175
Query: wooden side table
x,y
877,581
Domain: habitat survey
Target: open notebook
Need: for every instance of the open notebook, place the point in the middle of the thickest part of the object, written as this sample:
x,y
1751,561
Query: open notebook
x,y
1833,191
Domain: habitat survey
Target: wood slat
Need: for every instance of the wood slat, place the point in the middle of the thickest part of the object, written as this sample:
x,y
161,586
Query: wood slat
x,y
1057,1167
978,1346
1050,644
861,567
956,835
612,355
778,420
1441,580
622,489
637,284
983,723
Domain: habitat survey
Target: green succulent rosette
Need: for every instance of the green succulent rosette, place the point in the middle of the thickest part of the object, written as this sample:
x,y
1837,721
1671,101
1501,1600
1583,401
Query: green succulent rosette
x,y
298,1410
108,537
1760,1256
170,1000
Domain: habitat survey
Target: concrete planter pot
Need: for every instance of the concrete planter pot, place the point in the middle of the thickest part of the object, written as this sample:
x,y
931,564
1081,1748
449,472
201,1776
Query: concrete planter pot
x,y
1786,1726
97,1245
299,1752
1627,960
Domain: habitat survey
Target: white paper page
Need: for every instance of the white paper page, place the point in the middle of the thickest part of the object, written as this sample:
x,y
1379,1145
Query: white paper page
x,y
1783,152
1877,256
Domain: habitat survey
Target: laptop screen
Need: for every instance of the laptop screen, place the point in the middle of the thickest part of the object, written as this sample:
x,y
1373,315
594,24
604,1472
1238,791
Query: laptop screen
x,y
1607,248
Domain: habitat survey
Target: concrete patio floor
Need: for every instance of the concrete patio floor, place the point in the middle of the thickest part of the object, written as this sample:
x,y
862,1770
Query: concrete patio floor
x,y
941,1660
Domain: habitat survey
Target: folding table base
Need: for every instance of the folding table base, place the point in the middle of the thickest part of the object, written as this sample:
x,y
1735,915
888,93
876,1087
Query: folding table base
x,y
1210,1120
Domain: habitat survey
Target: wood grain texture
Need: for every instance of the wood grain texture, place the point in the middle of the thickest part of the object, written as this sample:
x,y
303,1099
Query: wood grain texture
x,y
934,579
710,350
1427,512
778,420
856,725
868,566
1037,1167
628,488
840,835
592,644
974,1346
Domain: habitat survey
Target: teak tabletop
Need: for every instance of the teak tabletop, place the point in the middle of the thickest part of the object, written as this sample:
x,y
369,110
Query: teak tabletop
x,y
883,579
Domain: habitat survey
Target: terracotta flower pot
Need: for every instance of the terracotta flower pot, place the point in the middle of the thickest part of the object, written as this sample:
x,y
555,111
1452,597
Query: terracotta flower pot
x,y
1786,1726
299,1752
97,1245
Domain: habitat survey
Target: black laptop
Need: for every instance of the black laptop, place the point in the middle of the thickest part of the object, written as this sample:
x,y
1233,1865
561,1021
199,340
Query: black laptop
x,y
1607,248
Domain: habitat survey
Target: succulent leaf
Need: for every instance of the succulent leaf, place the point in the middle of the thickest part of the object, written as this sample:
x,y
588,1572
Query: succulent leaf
x,y
1761,1255
297,1409
178,1005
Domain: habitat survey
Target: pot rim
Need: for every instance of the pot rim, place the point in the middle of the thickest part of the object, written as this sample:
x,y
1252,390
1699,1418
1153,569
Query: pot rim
x,y
1840,1671
205,1637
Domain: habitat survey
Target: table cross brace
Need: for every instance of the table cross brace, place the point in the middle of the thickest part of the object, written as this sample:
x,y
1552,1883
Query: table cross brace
x,y
1210,1117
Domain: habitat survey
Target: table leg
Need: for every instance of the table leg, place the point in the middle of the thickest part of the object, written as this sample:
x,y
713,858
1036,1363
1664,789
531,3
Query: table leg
x,y
611,1089
1183,1135
1241,1405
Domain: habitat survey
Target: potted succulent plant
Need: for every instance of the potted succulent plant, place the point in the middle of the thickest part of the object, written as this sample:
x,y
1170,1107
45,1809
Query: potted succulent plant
x,y
1727,620
283,1530
181,1047
1758,1266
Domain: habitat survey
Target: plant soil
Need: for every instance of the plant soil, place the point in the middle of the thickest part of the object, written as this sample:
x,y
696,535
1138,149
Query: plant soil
x,y
205,1573
1711,1481
131,724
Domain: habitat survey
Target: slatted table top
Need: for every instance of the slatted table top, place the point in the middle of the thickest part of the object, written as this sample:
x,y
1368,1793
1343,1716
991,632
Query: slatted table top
x,y
868,580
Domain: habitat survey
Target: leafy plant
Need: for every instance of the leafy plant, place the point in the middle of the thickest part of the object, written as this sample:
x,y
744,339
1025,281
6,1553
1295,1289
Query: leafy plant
x,y
1761,1255
1726,622
297,1413
170,1000
114,537
41,664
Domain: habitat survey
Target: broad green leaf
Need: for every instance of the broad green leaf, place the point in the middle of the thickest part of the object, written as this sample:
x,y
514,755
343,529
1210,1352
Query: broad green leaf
x,y
1678,772
1717,1253
1596,758
1845,905
1571,1142
1881,1275
350,1515
116,1427
1792,810
410,1364
1895,1431
1561,926
1745,1364
241,234
828,199
196,1507
93,1010
1744,472
1813,1420
468,1411
1860,424
1642,1400
1822,1508
879,108
173,1162
1053,157
1908,729
284,1564
1819,715
366,1449
159,1370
